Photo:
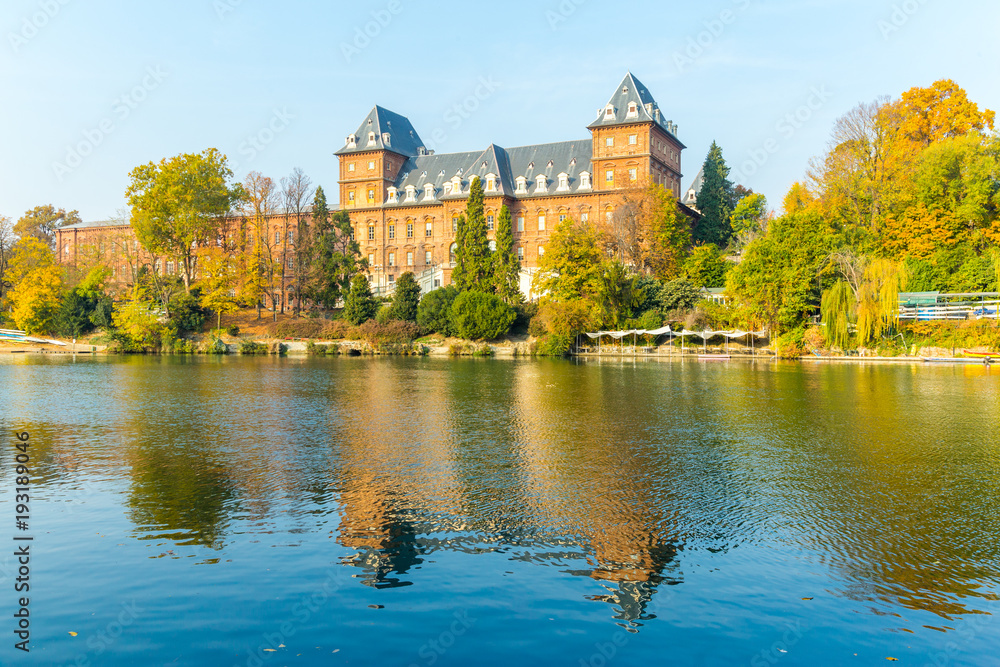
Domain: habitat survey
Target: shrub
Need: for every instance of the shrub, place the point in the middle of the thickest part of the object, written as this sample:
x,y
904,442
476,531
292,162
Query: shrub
x,y
434,310
563,318
217,346
678,294
279,349
554,345
233,330
480,316
525,312
251,347
184,346
792,345
650,320
388,337
186,312
384,314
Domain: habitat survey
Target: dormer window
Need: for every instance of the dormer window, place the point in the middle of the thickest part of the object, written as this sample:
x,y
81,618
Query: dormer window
x,y
563,182
540,183
393,196
456,185
609,112
429,192
352,141
633,110
584,180
491,183
411,193
385,138
371,138
522,185
447,188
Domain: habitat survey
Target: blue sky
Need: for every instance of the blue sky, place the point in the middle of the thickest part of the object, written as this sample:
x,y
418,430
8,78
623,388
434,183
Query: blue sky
x,y
93,88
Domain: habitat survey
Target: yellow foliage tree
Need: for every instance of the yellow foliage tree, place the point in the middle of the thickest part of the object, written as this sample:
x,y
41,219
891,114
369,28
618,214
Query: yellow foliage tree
x,y
940,112
878,299
36,299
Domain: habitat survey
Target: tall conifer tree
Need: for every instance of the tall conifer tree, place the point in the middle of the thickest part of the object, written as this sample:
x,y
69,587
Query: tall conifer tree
x,y
506,265
475,269
715,201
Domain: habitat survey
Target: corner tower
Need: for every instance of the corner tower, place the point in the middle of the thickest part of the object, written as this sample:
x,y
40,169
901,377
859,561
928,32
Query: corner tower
x,y
633,144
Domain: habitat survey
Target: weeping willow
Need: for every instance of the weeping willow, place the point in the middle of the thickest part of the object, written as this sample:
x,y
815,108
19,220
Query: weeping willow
x,y
837,310
878,299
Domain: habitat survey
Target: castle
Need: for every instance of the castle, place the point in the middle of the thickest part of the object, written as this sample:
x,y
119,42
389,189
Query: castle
x,y
404,200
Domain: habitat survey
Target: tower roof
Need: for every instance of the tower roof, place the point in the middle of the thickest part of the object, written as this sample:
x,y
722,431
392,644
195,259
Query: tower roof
x,y
632,103
384,130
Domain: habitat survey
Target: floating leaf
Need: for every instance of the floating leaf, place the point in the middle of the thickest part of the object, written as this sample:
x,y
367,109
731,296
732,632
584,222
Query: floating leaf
x,y
72,634
807,598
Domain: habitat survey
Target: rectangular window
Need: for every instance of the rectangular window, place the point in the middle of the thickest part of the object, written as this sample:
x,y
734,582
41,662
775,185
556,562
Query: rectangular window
x,y
520,253
371,196
350,167
584,217
371,166
429,229
352,233
371,232
428,257
392,231
609,176
541,223
610,141
392,259
291,263
633,139
541,250
633,174
291,236
454,225
562,217
409,259
277,237
489,222
350,196
371,259
409,230
520,223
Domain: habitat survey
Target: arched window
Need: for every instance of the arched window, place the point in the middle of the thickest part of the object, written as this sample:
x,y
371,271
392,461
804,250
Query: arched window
x,y
451,252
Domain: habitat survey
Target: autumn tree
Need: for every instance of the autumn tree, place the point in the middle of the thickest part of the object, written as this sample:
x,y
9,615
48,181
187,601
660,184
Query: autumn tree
x,y
506,265
943,111
42,222
716,200
296,196
178,204
571,266
259,205
218,282
36,285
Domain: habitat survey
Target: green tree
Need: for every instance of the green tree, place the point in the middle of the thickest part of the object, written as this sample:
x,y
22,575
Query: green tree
x,y
618,293
481,316
218,283
776,283
77,312
669,233
679,294
506,265
336,255
706,267
42,222
715,200
434,311
406,299
838,311
749,214
474,264
571,266
178,205
360,306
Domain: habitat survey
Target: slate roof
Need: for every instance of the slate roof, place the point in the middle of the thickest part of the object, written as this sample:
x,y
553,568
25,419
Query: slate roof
x,y
690,197
550,160
647,110
403,138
